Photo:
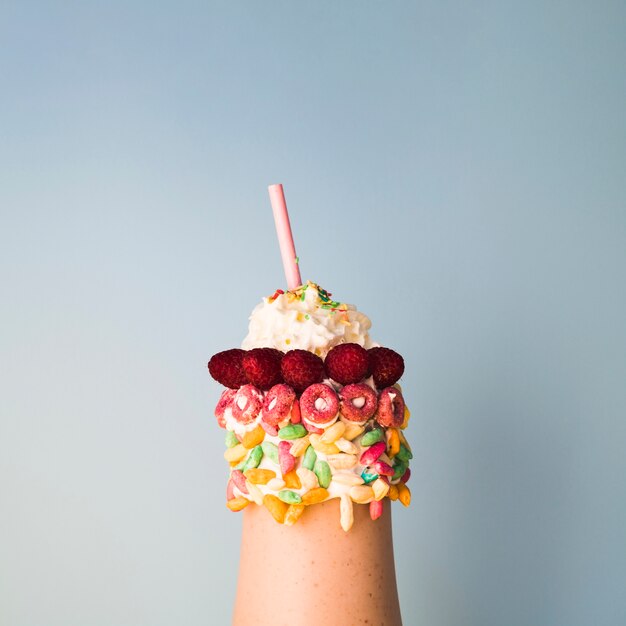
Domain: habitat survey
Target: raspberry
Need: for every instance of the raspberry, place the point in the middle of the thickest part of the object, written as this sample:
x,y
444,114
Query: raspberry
x,y
226,368
347,363
301,368
386,366
262,367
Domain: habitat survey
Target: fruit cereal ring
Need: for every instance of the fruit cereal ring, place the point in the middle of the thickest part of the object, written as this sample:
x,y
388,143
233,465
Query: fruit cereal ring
x,y
247,403
225,402
390,407
319,404
358,402
277,404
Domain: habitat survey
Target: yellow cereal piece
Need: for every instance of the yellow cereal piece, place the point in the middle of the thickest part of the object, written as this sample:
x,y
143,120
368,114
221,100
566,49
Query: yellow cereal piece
x,y
292,480
235,454
332,433
236,504
299,446
404,441
341,460
393,442
352,431
276,507
346,446
293,514
347,478
253,437
319,494
276,484
362,494
380,489
255,493
346,512
393,492
407,417
259,476
308,478
326,448
404,494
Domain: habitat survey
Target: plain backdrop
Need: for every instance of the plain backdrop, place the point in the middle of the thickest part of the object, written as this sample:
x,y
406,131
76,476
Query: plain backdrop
x,y
455,169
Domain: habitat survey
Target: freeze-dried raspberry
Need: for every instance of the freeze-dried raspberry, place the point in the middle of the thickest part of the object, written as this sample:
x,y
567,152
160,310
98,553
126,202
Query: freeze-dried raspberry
x,y
301,368
227,369
347,363
262,367
386,366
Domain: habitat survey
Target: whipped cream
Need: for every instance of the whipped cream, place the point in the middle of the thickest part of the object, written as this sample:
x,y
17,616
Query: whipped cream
x,y
306,319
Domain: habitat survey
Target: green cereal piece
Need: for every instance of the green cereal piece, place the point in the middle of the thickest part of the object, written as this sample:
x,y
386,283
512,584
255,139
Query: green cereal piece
x,y
374,436
322,471
271,449
254,458
399,469
288,496
368,478
403,454
292,431
241,464
231,439
310,456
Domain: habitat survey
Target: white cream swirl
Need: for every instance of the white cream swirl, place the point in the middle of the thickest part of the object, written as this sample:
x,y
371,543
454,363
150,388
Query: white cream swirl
x,y
306,319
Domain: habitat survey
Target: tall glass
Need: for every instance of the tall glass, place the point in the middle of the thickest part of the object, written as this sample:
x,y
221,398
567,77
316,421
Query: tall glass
x,y
314,573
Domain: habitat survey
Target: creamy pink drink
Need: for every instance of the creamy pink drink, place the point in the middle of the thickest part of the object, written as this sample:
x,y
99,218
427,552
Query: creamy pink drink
x,y
314,419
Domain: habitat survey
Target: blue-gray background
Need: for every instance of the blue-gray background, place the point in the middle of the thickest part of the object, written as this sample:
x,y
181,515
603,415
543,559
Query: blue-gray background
x,y
455,169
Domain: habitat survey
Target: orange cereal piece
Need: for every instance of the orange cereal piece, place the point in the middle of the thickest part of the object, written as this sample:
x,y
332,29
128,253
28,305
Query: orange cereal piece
x,y
404,494
276,507
293,514
259,476
319,494
292,480
253,437
236,504
393,493
407,417
393,442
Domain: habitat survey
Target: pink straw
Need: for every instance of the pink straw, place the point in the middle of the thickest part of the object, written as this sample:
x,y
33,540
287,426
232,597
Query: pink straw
x,y
285,238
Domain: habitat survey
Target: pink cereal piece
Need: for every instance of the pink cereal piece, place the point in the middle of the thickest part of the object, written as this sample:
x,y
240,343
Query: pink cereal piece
x,y
406,475
382,468
286,460
247,403
390,408
313,429
278,404
319,403
296,418
376,509
240,480
230,485
353,395
270,430
225,402
372,453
